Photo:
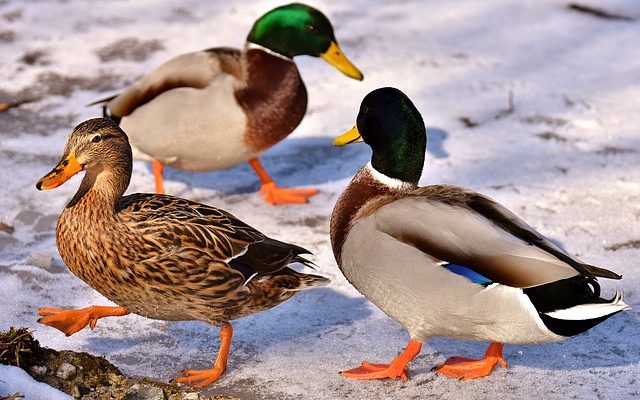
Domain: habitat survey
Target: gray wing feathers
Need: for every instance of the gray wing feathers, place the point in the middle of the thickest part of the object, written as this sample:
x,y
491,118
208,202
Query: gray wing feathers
x,y
459,235
196,70
511,223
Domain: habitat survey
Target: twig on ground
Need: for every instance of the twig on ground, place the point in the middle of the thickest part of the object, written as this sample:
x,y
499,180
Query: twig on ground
x,y
510,107
17,103
598,12
15,396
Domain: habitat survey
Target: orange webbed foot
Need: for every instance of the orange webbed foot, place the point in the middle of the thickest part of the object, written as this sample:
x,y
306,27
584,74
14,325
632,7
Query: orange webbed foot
x,y
397,368
71,321
367,370
468,368
199,378
275,195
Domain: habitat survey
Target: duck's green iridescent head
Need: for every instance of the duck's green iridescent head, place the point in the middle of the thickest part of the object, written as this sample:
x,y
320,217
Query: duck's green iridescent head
x,y
393,127
297,29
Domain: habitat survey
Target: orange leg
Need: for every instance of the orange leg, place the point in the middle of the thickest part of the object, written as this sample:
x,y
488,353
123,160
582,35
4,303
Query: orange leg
x,y
397,368
275,195
158,168
71,321
5,106
468,368
199,378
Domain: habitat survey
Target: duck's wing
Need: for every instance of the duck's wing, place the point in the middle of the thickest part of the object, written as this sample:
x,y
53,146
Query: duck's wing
x,y
459,226
195,70
173,222
508,221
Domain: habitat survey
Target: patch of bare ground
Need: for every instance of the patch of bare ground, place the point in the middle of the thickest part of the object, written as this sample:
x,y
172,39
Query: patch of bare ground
x,y
83,375
129,49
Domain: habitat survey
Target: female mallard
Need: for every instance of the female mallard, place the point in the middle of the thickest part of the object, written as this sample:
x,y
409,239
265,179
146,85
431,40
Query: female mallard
x,y
219,107
160,256
446,261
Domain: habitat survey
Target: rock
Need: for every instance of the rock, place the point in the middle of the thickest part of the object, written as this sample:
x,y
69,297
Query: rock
x,y
144,392
66,371
75,392
38,369
191,396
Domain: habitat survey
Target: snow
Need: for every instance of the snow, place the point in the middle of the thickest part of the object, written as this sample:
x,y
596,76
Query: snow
x,y
14,379
565,158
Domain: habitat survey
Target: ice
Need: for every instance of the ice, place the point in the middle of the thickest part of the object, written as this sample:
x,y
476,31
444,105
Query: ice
x,y
15,380
565,158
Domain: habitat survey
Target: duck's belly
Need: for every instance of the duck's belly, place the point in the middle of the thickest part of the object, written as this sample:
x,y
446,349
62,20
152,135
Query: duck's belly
x,y
430,301
191,129
136,296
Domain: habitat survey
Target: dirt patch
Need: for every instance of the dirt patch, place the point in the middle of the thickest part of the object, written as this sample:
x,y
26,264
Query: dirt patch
x,y
35,57
56,84
12,15
614,150
549,135
544,120
7,36
130,49
83,375
17,121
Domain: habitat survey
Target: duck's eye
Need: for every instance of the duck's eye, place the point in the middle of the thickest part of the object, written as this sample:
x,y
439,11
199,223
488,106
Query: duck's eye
x,y
365,109
311,28
96,138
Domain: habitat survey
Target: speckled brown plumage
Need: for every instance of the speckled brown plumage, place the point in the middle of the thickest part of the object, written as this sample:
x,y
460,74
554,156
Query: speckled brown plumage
x,y
164,257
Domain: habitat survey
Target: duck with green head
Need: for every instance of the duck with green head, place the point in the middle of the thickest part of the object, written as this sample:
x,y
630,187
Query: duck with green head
x,y
444,260
219,107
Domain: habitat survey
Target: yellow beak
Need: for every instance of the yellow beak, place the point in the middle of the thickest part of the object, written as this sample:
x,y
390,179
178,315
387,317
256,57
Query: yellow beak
x,y
334,56
353,136
65,169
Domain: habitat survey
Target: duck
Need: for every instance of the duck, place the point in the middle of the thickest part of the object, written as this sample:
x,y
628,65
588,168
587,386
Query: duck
x,y
160,256
219,107
444,260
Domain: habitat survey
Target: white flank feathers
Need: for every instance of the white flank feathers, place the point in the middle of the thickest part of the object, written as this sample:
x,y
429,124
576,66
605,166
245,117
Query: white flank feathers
x,y
591,311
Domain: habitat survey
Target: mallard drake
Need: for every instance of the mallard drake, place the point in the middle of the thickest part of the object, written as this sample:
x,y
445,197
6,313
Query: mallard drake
x,y
219,107
443,260
160,256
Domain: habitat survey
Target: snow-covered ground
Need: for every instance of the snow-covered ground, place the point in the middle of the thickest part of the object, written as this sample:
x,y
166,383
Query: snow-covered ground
x,y
565,157
15,380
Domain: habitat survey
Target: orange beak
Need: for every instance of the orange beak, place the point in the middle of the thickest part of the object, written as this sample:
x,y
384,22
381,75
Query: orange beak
x,y
65,169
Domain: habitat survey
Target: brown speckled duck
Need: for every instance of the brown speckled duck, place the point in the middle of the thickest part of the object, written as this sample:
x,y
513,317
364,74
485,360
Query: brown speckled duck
x,y
220,107
160,256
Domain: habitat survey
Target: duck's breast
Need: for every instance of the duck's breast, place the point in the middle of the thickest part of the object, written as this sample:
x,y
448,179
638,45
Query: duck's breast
x,y
191,129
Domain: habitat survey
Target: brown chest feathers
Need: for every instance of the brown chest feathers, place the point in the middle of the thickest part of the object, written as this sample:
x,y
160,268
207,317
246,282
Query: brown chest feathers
x,y
274,98
363,196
